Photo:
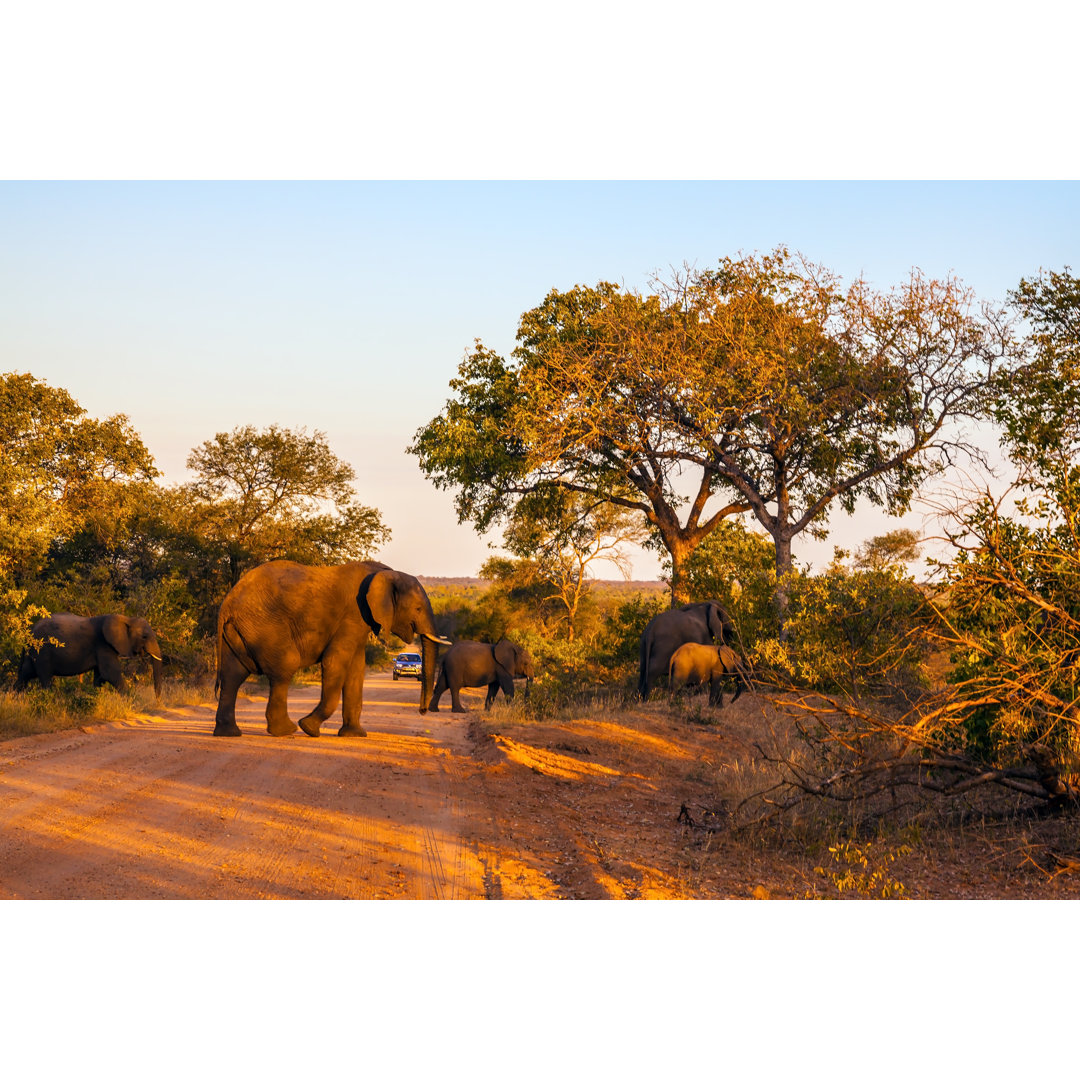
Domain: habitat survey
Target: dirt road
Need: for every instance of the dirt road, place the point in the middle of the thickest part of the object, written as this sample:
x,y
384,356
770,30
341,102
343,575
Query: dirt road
x,y
155,807
443,806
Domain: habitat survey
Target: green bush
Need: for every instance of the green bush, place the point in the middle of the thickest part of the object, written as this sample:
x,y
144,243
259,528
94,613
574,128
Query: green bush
x,y
619,641
851,630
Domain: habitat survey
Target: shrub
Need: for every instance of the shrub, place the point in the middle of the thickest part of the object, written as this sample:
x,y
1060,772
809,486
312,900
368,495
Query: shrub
x,y
851,630
619,642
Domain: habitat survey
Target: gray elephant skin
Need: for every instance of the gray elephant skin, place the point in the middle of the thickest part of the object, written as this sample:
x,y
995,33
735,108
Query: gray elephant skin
x,y
694,665
282,616
476,663
703,623
73,644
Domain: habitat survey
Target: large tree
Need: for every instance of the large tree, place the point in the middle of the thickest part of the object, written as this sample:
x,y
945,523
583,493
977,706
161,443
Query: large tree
x,y
574,409
1008,611
62,472
276,493
68,483
762,386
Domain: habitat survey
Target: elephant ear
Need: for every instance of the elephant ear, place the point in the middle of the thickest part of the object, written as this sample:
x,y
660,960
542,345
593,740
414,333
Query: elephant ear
x,y
376,601
719,626
376,598
115,630
506,655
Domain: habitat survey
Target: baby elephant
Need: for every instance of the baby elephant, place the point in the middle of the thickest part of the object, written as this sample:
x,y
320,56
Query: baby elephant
x,y
693,664
476,663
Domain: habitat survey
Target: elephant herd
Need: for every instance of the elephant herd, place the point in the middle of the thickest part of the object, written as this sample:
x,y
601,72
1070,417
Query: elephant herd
x,y
691,645
282,616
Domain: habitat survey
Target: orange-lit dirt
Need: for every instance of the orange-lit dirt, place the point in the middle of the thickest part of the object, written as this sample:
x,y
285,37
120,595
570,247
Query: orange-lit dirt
x,y
431,806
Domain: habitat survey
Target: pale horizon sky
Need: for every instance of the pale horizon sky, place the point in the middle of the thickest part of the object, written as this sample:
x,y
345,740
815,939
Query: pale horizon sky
x,y
346,307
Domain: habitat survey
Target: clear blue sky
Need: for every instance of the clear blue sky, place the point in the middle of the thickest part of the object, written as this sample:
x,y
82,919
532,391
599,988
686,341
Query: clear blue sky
x,y
346,307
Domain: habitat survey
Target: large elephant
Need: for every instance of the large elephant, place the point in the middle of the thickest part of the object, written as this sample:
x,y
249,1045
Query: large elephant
x,y
476,663
703,623
73,644
693,664
281,617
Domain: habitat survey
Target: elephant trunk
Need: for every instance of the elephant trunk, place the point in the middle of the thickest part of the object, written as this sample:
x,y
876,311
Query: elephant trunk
x,y
429,663
153,650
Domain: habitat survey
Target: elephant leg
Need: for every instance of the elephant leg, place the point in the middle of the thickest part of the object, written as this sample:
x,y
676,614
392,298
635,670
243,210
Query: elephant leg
x,y
231,675
333,678
455,697
108,670
645,683
740,685
656,670
353,704
26,672
277,707
455,682
440,689
44,669
506,684
716,691
493,690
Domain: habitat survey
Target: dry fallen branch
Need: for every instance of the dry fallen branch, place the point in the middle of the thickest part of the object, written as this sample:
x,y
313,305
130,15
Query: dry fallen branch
x,y
1066,864
857,755
685,818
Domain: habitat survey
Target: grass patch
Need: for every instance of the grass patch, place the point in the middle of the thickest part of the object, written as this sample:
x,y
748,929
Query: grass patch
x,y
69,703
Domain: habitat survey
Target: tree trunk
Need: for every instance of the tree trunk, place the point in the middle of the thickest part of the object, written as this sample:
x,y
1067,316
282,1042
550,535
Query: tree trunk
x,y
680,586
783,581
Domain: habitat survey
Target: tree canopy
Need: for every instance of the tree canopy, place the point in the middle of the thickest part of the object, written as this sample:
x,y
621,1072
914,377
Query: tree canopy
x,y
61,472
762,386
273,494
84,525
67,481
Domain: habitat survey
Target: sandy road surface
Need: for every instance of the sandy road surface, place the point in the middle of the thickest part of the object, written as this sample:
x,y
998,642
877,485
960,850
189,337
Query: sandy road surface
x,y
155,807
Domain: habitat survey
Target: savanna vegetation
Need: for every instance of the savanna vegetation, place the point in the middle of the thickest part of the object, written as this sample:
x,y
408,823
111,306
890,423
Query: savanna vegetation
x,y
730,411
716,419
86,527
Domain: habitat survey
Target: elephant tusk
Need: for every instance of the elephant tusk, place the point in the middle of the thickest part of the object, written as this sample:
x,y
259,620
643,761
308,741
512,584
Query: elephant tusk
x,y
437,640
154,656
